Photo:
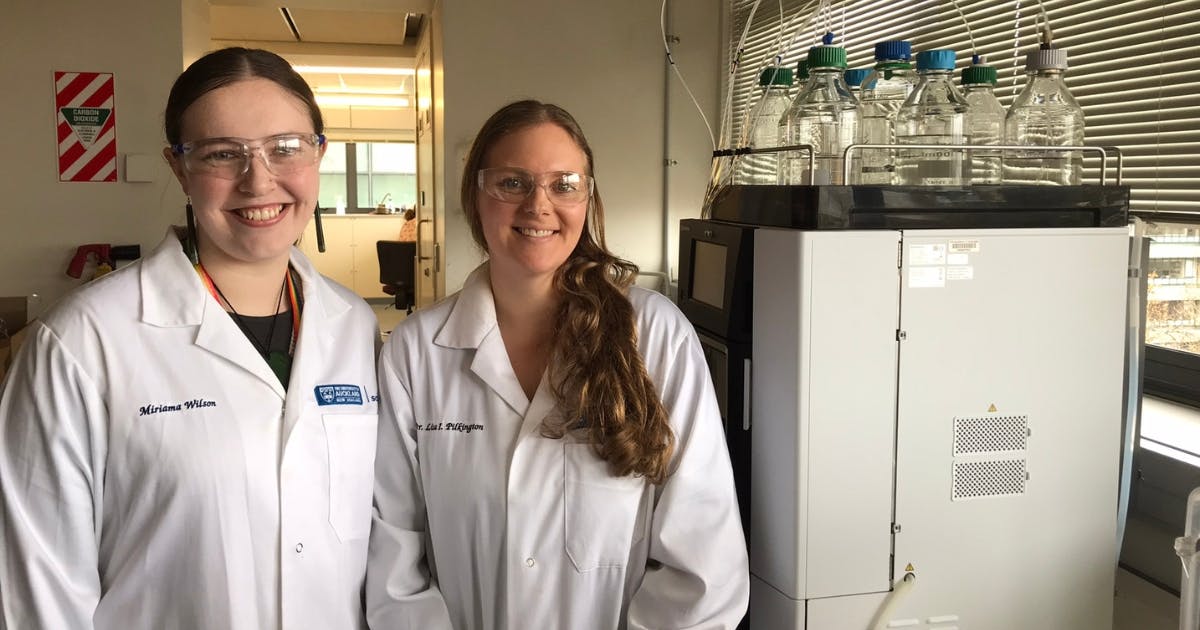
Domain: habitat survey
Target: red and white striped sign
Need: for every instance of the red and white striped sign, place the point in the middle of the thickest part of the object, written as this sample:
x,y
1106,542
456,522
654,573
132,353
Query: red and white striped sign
x,y
87,127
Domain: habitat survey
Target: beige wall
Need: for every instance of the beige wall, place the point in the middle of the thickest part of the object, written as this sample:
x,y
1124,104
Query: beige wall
x,y
43,220
700,26
603,62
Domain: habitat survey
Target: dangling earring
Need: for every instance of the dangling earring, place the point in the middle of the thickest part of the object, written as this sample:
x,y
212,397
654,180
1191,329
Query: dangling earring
x,y
320,231
189,246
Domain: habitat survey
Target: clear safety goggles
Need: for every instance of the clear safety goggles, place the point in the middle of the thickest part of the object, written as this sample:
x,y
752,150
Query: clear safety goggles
x,y
229,158
514,185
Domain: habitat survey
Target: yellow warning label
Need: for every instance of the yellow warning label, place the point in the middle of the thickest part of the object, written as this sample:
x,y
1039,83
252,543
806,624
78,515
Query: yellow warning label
x,y
992,408
908,568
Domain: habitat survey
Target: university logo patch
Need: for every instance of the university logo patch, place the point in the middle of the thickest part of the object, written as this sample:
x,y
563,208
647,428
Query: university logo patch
x,y
338,395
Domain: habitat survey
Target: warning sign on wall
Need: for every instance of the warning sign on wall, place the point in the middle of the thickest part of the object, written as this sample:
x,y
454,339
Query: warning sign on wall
x,y
87,131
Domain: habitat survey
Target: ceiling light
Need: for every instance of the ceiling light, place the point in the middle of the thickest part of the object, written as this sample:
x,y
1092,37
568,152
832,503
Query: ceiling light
x,y
352,70
399,91
362,100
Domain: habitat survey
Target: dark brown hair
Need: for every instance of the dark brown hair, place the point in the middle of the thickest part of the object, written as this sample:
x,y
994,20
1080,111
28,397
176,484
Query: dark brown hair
x,y
230,65
596,370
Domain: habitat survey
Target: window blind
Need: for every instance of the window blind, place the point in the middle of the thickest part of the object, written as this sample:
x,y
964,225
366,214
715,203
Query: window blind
x,y
1133,64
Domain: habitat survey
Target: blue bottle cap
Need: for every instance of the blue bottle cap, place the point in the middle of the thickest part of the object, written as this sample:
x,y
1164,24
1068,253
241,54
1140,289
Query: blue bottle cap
x,y
893,50
854,76
935,60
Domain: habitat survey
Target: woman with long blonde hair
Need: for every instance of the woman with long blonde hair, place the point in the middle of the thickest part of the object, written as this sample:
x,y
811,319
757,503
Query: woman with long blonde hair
x,y
550,451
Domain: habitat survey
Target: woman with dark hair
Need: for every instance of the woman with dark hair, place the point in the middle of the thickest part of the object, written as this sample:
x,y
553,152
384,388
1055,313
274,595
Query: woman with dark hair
x,y
188,442
550,449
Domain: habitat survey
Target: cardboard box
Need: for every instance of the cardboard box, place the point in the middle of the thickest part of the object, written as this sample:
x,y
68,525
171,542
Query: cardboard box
x,y
14,313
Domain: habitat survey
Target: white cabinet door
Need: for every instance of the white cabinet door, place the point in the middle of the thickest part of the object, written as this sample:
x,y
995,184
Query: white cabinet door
x,y
368,230
337,263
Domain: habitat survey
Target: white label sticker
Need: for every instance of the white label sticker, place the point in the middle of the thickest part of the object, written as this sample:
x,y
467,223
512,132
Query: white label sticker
x,y
960,273
925,277
964,246
957,259
932,254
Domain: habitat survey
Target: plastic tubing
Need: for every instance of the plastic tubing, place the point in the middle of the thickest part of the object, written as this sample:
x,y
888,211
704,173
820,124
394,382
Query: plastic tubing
x,y
716,174
719,173
750,114
662,27
1188,549
970,35
779,52
898,592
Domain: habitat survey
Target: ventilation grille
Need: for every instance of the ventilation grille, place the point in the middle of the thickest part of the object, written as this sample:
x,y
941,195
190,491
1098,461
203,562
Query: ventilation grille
x,y
989,478
990,434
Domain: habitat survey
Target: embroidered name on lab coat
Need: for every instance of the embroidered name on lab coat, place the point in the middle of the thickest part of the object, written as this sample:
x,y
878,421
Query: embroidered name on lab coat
x,y
338,395
461,427
196,403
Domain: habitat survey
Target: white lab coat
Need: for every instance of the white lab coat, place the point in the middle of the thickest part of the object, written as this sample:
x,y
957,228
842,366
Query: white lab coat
x,y
156,476
484,524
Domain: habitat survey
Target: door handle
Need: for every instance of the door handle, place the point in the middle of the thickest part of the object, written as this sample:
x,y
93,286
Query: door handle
x,y
420,252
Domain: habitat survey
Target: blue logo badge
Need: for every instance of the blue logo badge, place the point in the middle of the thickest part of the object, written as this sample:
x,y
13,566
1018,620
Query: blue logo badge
x,y
338,395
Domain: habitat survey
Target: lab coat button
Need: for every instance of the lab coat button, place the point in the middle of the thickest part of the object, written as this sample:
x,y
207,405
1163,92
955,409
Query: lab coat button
x,y
529,562
299,547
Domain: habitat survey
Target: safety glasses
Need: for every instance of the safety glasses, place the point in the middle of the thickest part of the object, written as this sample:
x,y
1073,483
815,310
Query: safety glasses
x,y
229,158
514,185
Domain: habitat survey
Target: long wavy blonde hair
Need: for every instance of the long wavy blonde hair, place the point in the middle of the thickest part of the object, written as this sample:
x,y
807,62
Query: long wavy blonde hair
x,y
596,371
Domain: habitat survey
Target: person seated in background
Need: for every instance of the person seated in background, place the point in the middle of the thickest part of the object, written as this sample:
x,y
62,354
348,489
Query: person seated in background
x,y
551,453
408,231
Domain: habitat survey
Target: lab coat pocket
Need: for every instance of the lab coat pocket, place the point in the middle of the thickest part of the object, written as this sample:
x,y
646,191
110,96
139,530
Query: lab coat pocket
x,y
351,440
601,510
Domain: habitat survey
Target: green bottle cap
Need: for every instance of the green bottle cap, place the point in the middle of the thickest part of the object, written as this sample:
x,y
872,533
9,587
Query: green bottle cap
x,y
827,57
772,75
978,74
802,70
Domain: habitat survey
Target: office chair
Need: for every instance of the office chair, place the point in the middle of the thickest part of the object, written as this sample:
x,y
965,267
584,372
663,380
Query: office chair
x,y
398,271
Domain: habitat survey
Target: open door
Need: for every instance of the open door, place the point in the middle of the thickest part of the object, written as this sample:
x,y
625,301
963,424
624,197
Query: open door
x,y
428,248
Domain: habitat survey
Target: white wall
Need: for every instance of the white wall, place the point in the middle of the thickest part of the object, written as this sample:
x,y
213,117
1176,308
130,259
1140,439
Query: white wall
x,y
604,62
43,220
700,27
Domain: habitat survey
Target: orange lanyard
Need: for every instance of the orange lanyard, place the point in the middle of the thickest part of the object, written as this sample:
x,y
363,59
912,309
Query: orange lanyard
x,y
293,299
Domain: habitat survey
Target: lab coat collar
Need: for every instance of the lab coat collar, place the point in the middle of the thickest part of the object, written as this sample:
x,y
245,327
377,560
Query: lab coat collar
x,y
173,296
473,316
472,326
170,286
